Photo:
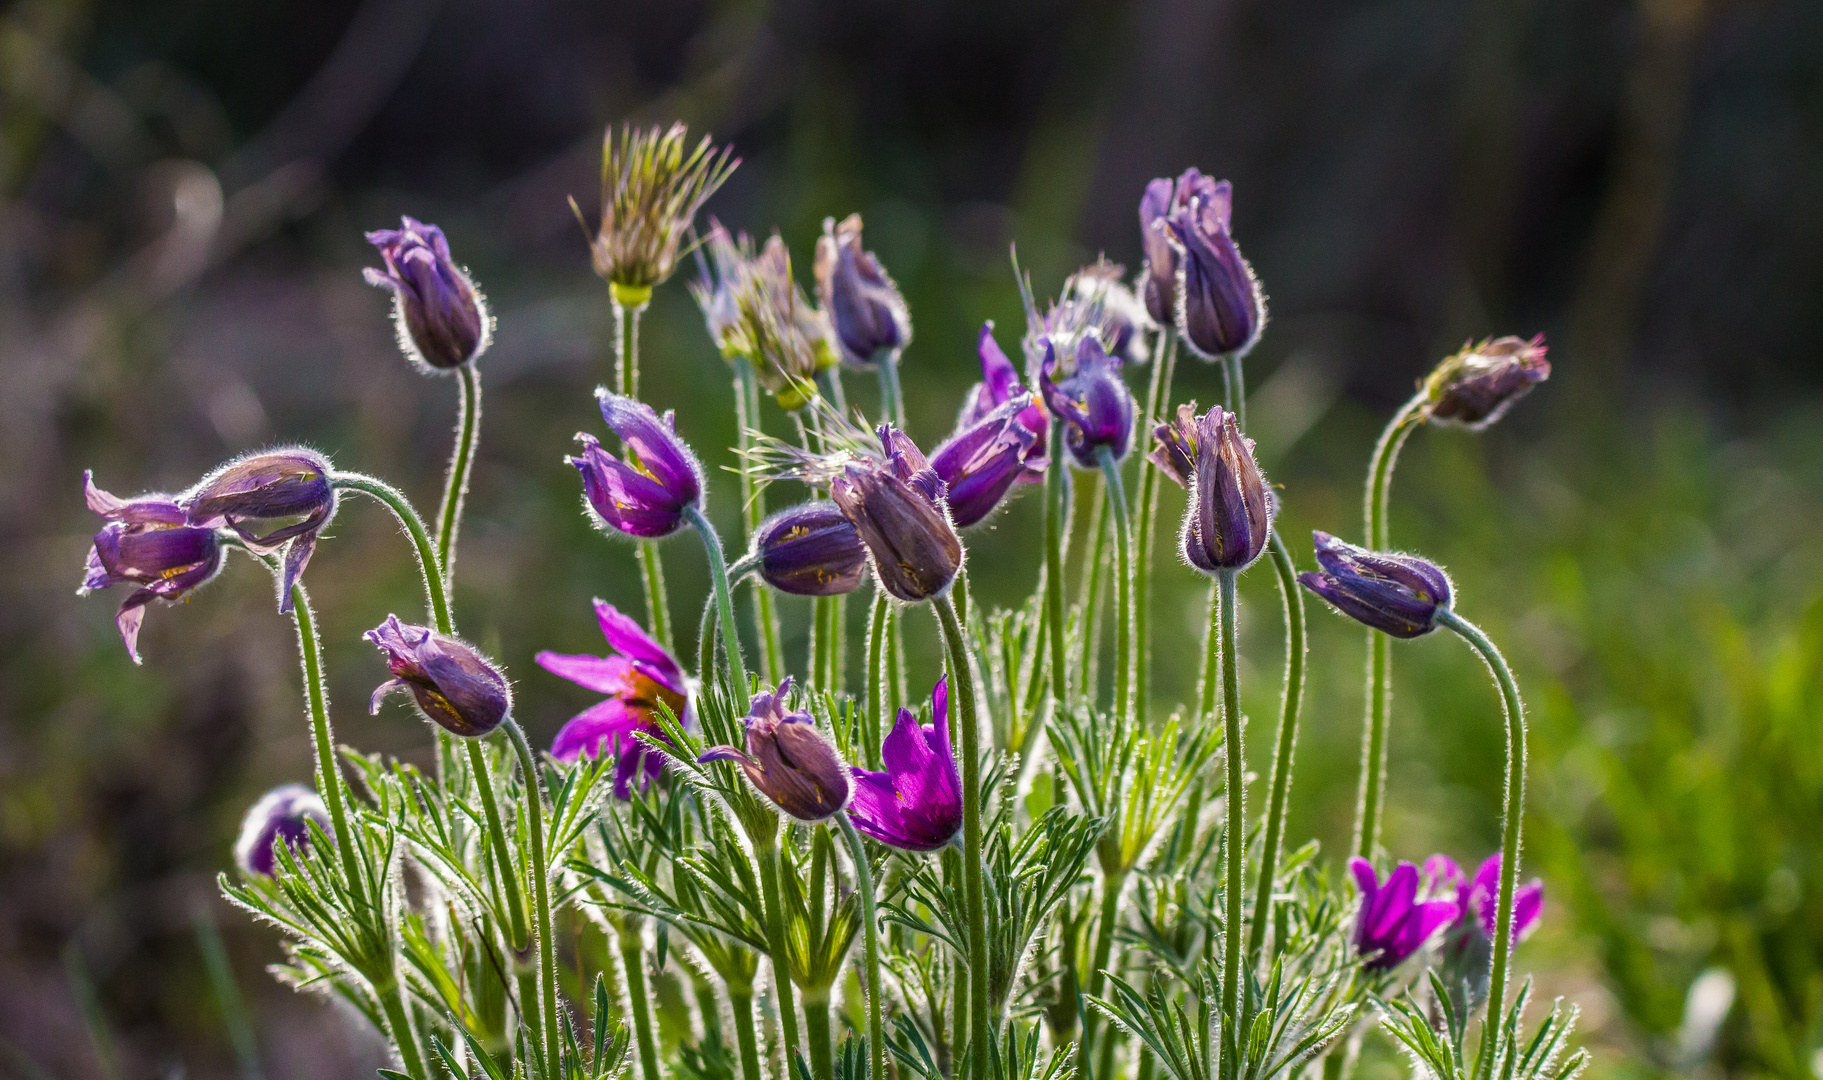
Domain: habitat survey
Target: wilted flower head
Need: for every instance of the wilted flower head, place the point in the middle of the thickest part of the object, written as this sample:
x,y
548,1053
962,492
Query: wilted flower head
x,y
1394,922
1093,404
916,804
1095,304
1230,510
776,327
638,676
864,307
451,681
1174,449
280,816
719,274
646,495
288,492
147,542
651,188
1476,386
1397,594
980,463
1213,296
897,505
811,549
441,318
788,760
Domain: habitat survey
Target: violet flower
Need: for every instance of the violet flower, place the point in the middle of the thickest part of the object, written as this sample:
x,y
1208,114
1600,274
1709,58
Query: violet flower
x,y
1230,510
1217,303
1394,922
811,549
1476,386
916,804
1397,594
897,505
453,684
1479,897
288,490
1467,953
1000,384
788,760
1093,404
441,318
280,816
866,312
148,543
980,463
645,496
638,676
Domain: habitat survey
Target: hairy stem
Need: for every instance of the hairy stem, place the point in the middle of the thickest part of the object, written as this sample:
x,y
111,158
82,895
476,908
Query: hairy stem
x,y
864,884
724,603
1056,499
1158,398
740,1003
1236,755
1111,887
392,1003
541,887
892,399
633,959
1211,683
461,462
981,1026
1297,645
428,564
753,503
879,695
1123,582
329,777
779,951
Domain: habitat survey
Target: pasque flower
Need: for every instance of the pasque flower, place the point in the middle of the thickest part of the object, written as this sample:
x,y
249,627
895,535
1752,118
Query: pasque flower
x,y
280,816
897,505
1398,594
451,681
715,284
149,543
980,463
811,549
1000,384
1467,953
788,760
1092,403
652,185
1214,298
442,320
865,310
1230,511
916,804
646,495
1476,386
288,492
776,327
1104,302
1394,922
639,677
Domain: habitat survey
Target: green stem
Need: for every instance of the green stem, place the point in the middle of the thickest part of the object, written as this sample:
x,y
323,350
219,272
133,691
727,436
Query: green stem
x,y
428,564
541,885
817,1033
1236,755
392,1003
632,957
980,1024
503,852
1123,582
780,952
1212,655
1509,842
724,603
1379,647
879,695
864,884
753,503
1088,679
740,1003
461,462
892,399
1056,498
1297,645
1111,888
328,776
626,382
1234,384
1158,398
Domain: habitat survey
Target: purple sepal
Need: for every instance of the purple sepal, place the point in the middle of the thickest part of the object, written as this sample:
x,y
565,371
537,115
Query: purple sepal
x,y
1219,306
147,544
280,816
811,549
1394,922
453,684
270,487
897,505
638,676
916,804
866,313
1397,594
979,464
442,320
1230,510
1092,403
788,760
647,496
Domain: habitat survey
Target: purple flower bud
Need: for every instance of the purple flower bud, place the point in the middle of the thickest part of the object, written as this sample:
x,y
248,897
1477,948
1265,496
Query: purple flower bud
x,y
1175,452
916,804
1476,386
864,307
442,321
1393,922
646,495
1230,510
897,507
638,676
810,550
453,683
1093,403
788,760
287,490
1219,307
281,816
981,463
1398,594
146,543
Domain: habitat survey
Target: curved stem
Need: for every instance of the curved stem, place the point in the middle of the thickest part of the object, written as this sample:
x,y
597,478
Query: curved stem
x,y
779,953
461,462
392,1003
1514,709
724,603
1123,582
1111,887
1297,645
1158,398
428,564
1236,755
981,1026
1056,498
864,884
541,887
329,777
753,503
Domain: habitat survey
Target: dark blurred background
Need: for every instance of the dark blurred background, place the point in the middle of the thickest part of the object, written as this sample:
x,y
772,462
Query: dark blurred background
x,y
185,188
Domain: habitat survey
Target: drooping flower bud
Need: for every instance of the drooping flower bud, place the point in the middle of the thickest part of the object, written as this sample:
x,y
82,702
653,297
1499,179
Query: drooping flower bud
x,y
788,760
897,506
1397,594
1394,922
280,817
865,309
441,318
651,188
1093,404
916,804
1218,304
979,464
638,676
451,681
147,543
287,492
810,550
645,496
1230,511
1477,385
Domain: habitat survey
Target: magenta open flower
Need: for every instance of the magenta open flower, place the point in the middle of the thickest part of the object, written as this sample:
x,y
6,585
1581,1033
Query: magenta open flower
x,y
286,492
281,816
916,804
442,320
1479,897
638,675
788,760
1394,921
146,543
1000,384
645,496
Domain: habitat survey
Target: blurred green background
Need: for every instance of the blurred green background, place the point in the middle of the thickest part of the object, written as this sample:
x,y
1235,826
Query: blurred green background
x,y
185,185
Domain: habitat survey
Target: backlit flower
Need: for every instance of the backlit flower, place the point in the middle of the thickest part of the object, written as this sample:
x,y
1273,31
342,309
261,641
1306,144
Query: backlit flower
x,y
646,495
1230,509
281,816
1476,386
1000,384
638,676
1397,594
1394,922
441,318
286,492
811,549
148,543
451,681
652,185
980,463
897,505
868,316
788,760
1216,299
1092,403
916,804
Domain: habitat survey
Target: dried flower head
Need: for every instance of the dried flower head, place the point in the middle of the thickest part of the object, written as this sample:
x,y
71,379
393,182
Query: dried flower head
x,y
1477,385
652,185
776,327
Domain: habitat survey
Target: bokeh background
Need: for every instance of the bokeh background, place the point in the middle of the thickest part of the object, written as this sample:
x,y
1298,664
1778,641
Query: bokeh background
x,y
183,191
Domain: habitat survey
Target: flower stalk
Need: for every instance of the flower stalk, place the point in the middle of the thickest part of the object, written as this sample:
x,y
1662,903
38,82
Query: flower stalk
x,y
1158,396
1236,795
1123,582
864,884
981,1026
627,312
